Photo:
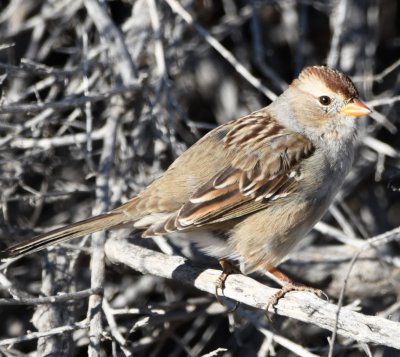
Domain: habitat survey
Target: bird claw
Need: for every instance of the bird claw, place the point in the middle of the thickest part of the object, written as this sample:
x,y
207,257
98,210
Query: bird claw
x,y
227,269
273,301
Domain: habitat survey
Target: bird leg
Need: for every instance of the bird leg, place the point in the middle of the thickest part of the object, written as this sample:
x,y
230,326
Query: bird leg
x,y
227,269
287,286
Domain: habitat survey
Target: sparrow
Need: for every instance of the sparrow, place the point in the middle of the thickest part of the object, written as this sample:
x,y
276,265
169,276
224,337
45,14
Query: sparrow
x,y
251,188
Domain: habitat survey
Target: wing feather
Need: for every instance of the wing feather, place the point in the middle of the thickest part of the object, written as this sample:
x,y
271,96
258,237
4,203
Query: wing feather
x,y
265,162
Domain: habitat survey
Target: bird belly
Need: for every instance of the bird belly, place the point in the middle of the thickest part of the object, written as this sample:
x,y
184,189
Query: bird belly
x,y
274,233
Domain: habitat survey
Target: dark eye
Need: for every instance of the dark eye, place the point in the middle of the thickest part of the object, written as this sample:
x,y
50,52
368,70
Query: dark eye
x,y
325,100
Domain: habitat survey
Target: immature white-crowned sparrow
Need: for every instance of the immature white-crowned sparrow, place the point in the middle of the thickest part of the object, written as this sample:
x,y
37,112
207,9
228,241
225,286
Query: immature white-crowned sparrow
x,y
258,183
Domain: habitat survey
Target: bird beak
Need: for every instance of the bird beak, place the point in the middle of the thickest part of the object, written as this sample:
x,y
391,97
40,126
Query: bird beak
x,y
355,108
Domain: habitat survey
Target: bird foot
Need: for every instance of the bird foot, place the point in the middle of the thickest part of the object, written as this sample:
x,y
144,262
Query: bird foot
x,y
290,286
227,269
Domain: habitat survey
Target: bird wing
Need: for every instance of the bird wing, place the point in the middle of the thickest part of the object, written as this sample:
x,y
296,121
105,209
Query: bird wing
x,y
259,163
264,162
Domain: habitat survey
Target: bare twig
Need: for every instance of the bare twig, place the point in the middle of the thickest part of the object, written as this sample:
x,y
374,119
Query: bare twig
x,y
53,142
35,335
55,278
114,39
113,325
383,101
98,239
338,27
50,299
67,103
381,147
177,7
273,336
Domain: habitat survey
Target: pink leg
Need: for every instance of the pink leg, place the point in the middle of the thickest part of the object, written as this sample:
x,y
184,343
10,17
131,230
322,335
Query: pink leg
x,y
227,269
289,285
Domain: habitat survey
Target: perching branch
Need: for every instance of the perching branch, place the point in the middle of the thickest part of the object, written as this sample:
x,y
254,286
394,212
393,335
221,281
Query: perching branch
x,y
298,305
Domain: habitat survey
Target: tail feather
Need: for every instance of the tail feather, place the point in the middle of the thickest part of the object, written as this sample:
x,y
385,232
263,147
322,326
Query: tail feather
x,y
75,230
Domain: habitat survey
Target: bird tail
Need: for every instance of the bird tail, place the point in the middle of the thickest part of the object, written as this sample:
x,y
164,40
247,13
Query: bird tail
x,y
75,230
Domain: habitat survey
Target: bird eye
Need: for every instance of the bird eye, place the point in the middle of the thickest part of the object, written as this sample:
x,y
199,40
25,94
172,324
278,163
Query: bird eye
x,y
325,100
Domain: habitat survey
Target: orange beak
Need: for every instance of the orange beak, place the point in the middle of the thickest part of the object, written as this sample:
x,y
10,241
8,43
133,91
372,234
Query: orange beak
x,y
356,108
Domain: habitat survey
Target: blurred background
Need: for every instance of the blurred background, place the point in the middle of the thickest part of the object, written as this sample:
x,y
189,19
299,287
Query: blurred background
x,y
99,97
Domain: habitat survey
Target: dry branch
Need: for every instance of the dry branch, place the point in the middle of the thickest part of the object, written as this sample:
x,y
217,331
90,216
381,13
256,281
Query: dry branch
x,y
176,7
299,305
35,335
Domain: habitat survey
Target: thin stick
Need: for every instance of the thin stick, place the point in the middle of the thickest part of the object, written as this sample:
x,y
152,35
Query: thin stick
x,y
214,43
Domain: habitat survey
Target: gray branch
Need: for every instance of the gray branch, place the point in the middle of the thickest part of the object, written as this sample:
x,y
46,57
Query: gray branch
x,y
298,305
